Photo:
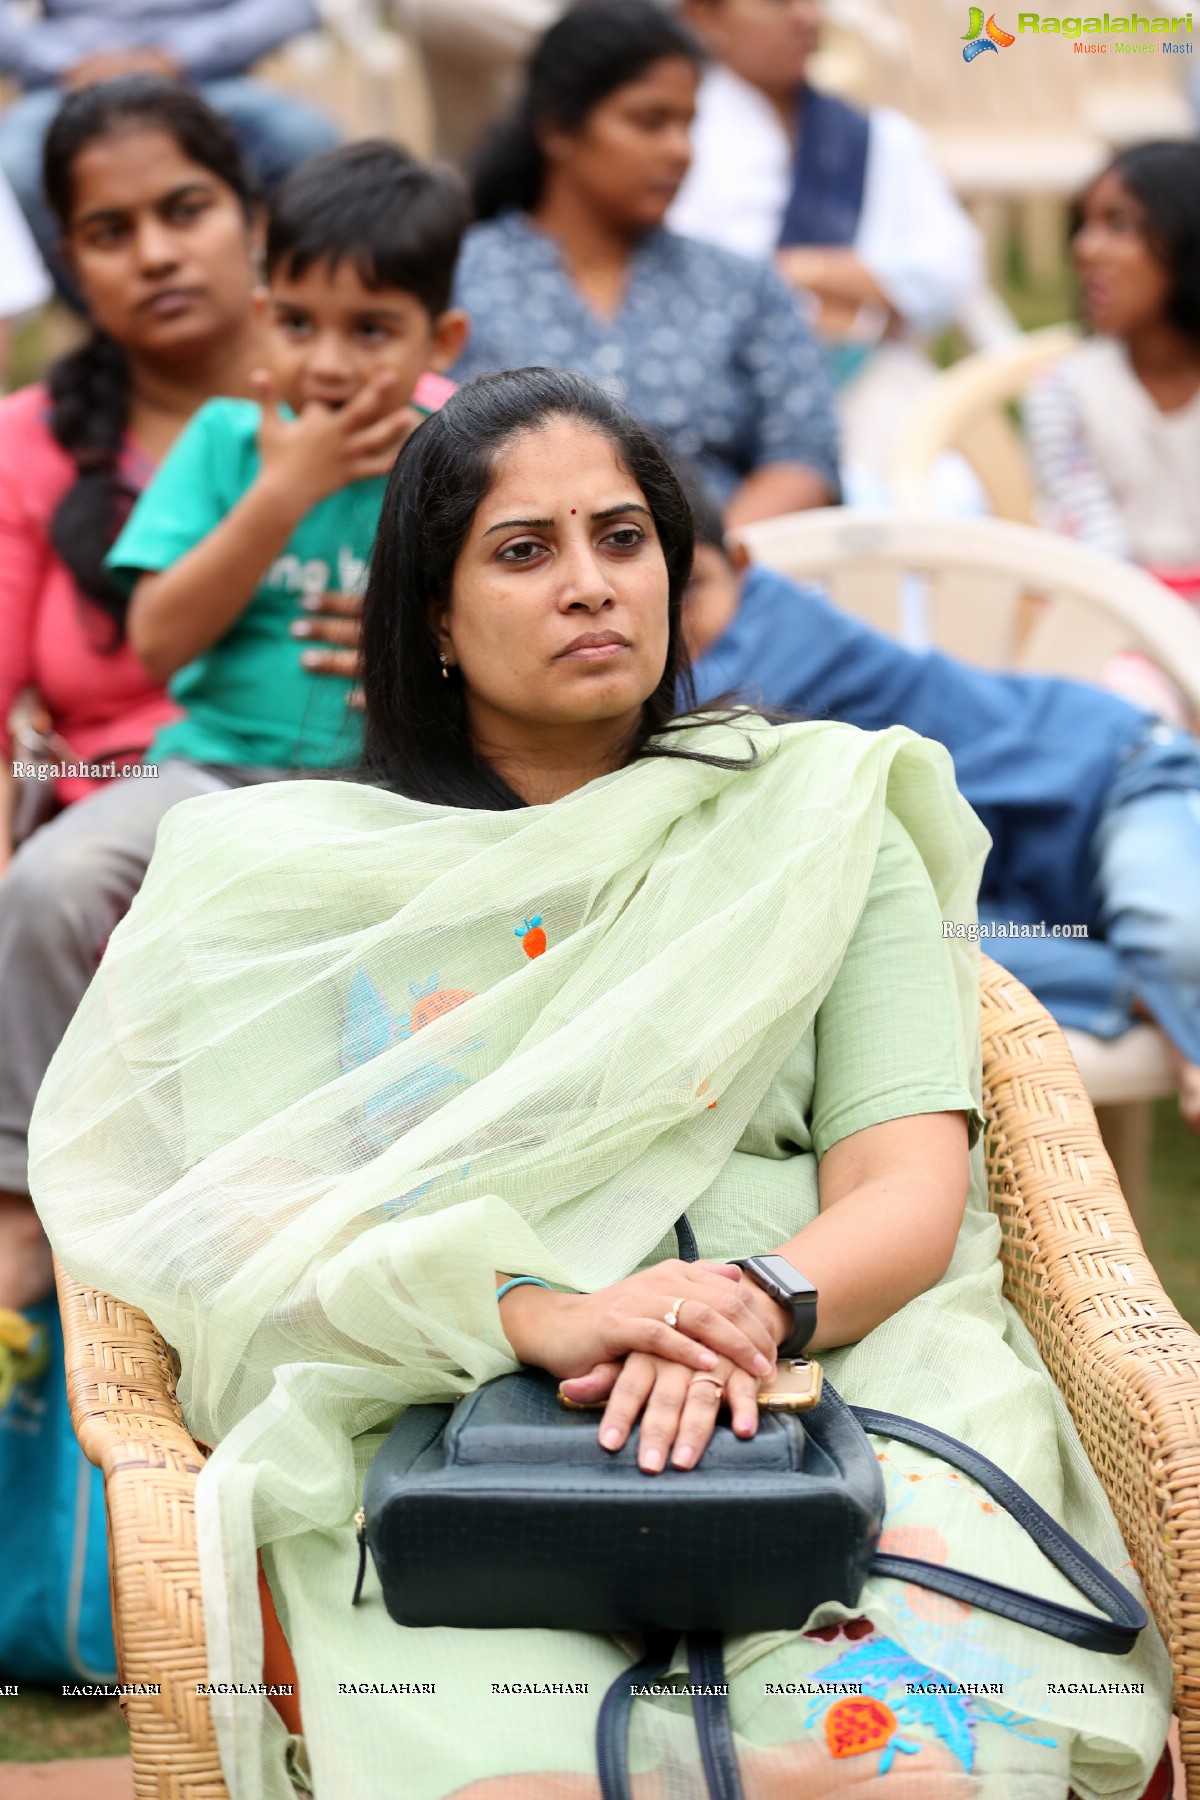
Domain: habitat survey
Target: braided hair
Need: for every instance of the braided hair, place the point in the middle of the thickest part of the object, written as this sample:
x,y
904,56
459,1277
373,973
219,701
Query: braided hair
x,y
89,386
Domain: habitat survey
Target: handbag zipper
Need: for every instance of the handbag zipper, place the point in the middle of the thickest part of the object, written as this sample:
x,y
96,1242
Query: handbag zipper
x,y
360,1520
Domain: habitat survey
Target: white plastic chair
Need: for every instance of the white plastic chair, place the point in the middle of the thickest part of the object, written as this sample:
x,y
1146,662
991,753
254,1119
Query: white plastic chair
x,y
368,76
1006,596
966,410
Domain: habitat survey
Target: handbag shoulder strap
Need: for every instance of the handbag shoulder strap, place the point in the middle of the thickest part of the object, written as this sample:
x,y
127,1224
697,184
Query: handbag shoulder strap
x,y
685,1237
616,1708
710,1711
1114,1634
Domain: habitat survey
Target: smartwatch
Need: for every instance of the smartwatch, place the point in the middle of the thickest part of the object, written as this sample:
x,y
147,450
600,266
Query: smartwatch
x,y
776,1276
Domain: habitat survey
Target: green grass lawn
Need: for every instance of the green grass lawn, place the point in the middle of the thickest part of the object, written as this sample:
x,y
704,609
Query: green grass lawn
x,y
1171,1227
40,1726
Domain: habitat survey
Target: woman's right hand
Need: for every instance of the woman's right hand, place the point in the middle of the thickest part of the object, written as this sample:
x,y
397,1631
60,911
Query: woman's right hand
x,y
570,1334
678,1408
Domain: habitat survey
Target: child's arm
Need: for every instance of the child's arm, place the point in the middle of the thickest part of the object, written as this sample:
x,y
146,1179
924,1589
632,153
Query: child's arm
x,y
177,614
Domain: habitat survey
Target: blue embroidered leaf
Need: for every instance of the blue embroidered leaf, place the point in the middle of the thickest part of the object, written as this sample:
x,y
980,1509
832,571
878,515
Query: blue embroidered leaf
x,y
1011,1721
882,1665
369,1028
888,1756
973,1661
877,1662
947,1715
388,1114
394,1207
403,1096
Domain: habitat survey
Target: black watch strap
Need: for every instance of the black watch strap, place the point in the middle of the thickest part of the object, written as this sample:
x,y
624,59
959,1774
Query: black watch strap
x,y
802,1336
786,1285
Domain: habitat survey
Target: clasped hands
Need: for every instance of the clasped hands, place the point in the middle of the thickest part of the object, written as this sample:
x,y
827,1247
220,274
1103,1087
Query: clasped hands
x,y
615,1346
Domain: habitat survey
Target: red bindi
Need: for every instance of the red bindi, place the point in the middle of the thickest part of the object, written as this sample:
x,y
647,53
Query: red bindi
x,y
573,511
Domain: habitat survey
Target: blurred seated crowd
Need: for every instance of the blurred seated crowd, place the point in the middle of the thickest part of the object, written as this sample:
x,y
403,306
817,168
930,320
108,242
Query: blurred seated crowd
x,y
189,493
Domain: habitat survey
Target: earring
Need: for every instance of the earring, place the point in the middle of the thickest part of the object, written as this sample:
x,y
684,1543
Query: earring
x,y
445,667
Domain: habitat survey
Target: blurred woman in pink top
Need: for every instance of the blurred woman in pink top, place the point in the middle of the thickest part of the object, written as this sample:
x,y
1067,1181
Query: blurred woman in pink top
x,y
158,220
159,223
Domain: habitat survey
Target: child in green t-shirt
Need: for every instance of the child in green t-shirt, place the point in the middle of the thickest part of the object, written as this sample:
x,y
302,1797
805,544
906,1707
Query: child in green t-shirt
x,y
259,510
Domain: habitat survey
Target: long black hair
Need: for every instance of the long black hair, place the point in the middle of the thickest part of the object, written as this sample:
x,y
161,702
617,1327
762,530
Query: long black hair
x,y
417,739
1164,178
89,386
597,47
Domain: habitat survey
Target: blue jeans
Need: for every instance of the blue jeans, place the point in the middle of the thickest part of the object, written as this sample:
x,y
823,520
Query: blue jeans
x,y
275,132
1146,903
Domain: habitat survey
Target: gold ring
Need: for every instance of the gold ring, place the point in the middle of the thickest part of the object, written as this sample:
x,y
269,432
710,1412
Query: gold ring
x,y
672,1317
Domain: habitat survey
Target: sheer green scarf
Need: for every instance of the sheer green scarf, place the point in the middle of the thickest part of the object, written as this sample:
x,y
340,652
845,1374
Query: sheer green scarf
x,y
349,1054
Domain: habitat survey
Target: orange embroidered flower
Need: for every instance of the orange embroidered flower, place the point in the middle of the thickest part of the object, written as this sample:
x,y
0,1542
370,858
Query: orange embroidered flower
x,y
927,1543
533,938
916,1540
431,1006
935,1609
858,1724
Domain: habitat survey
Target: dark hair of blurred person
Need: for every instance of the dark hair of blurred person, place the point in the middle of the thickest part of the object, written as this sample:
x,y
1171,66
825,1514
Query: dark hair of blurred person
x,y
372,205
1141,216
594,50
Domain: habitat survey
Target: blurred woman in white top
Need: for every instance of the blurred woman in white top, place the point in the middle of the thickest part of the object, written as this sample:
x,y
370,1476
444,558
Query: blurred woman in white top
x,y
850,205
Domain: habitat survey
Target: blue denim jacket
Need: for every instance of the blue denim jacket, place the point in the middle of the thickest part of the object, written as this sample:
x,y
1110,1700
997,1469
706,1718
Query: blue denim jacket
x,y
1037,757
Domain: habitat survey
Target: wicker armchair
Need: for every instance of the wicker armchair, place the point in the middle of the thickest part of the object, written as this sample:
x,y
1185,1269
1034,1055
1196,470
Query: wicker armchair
x,y
1074,1268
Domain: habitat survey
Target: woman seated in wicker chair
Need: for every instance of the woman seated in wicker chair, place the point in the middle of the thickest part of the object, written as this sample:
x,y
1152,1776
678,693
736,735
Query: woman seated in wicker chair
x,y
362,1055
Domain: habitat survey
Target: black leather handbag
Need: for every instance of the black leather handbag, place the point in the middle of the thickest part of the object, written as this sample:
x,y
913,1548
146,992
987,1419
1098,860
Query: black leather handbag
x,y
504,1511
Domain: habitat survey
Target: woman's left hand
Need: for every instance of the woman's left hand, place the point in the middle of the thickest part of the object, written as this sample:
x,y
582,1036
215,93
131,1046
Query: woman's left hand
x,y
678,1406
336,622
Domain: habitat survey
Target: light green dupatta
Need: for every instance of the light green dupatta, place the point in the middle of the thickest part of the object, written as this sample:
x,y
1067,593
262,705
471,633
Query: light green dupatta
x,y
320,1090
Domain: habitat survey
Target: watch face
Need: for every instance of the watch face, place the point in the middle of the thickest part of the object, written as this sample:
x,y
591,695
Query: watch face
x,y
781,1271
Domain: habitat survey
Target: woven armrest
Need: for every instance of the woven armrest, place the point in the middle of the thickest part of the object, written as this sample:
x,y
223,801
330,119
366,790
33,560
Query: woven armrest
x,y
1075,1269
121,1386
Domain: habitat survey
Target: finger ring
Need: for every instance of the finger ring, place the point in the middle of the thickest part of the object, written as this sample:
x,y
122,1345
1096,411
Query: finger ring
x,y
711,1381
672,1317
